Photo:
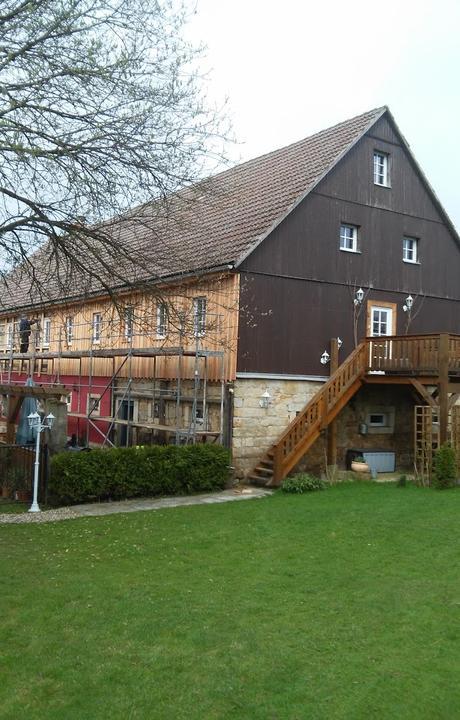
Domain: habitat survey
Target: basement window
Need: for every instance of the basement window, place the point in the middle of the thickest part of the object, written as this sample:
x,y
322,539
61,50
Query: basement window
x,y
380,420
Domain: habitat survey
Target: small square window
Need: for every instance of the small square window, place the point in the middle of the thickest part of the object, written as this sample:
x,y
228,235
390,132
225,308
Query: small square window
x,y
381,174
378,420
410,250
349,238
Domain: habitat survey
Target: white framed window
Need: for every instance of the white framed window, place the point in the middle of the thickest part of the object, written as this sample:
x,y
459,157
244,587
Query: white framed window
x,y
349,237
9,335
410,249
94,405
381,169
68,402
97,328
129,322
46,332
2,335
162,320
378,419
381,321
199,316
69,330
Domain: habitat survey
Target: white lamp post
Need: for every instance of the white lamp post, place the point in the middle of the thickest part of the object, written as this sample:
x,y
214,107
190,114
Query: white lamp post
x,y
35,423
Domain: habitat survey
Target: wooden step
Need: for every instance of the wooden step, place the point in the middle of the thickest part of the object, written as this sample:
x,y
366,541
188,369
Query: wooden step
x,y
269,463
259,480
259,470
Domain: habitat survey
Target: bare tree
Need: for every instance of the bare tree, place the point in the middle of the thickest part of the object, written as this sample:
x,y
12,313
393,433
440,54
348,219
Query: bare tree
x,y
100,110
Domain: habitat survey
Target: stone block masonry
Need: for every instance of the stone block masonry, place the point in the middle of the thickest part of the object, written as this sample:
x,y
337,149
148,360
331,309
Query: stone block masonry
x,y
256,428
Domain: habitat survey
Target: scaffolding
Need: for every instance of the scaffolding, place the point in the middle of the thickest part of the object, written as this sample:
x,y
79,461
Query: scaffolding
x,y
121,346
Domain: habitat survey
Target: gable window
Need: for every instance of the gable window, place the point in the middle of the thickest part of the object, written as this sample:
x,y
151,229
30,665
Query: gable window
x,y
129,322
162,319
69,330
199,316
46,332
97,327
349,237
381,174
410,250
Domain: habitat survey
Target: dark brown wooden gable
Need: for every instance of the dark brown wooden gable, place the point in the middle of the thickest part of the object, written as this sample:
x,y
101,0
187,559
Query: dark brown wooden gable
x,y
297,283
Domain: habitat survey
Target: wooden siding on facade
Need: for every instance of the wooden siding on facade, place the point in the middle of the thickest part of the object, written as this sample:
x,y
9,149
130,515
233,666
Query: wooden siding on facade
x,y
297,287
221,295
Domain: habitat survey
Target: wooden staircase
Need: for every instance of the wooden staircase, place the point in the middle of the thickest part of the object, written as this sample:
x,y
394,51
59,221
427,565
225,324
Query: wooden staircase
x,y
306,428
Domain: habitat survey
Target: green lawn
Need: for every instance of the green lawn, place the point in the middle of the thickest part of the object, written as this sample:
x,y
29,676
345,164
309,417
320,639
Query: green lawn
x,y
336,604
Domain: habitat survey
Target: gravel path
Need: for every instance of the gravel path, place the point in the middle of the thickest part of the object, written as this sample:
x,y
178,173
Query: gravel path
x,y
136,505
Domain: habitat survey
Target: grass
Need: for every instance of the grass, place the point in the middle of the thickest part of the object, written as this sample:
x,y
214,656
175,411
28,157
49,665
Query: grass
x,y
336,604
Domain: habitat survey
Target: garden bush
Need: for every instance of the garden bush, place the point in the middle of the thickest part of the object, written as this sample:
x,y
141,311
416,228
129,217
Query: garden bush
x,y
444,468
118,473
302,483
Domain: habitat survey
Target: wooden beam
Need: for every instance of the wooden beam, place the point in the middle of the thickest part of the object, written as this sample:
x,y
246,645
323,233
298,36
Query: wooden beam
x,y
399,379
423,392
332,429
443,386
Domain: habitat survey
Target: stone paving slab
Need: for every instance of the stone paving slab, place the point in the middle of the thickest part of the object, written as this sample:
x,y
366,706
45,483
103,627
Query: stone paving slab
x,y
136,505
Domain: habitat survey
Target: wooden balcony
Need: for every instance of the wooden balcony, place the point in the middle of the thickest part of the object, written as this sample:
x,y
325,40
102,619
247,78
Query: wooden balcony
x,y
419,360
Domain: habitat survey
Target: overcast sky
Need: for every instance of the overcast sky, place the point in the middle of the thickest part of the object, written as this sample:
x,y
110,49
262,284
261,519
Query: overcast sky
x,y
295,67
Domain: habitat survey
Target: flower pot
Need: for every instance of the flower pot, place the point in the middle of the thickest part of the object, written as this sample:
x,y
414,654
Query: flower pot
x,y
359,467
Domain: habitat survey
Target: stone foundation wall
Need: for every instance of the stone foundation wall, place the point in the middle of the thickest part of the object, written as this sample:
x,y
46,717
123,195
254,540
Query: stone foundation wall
x,y
256,428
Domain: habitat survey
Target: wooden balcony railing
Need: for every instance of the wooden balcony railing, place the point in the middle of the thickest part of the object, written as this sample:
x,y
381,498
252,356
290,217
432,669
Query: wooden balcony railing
x,y
413,354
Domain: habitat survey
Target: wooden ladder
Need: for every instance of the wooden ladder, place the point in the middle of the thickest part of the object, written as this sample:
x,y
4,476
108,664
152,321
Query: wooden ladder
x,y
307,426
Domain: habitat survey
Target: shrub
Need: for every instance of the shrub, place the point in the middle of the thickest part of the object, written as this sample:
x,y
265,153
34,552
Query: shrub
x,y
118,473
402,481
444,468
302,483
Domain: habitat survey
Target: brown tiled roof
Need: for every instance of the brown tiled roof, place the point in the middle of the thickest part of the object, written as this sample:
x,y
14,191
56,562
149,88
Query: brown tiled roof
x,y
219,221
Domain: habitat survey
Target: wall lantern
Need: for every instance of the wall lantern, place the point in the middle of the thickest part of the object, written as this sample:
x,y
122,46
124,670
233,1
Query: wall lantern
x,y
325,357
359,296
408,304
339,343
37,424
265,398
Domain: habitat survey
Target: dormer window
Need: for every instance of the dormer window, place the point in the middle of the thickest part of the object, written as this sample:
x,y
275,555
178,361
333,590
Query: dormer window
x,y
381,169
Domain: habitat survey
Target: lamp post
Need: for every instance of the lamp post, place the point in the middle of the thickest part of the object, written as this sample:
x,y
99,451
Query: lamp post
x,y
36,423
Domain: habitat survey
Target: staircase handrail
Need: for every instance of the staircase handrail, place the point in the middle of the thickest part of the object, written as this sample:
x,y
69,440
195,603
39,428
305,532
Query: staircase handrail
x,y
358,356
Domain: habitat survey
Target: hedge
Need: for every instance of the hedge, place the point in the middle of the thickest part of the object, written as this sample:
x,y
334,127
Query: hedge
x,y
118,473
